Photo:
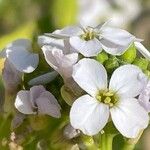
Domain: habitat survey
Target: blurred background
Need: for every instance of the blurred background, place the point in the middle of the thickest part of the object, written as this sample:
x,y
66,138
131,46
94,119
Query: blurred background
x,y
30,18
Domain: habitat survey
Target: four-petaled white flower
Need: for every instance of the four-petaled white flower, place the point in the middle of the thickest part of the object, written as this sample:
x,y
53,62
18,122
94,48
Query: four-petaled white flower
x,y
18,53
90,41
91,112
37,101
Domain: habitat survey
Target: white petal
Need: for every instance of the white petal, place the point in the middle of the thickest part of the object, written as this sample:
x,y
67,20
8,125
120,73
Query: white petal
x,y
115,41
3,53
129,117
44,40
43,79
142,50
22,102
86,48
23,60
69,31
88,115
90,75
60,62
47,50
47,104
127,81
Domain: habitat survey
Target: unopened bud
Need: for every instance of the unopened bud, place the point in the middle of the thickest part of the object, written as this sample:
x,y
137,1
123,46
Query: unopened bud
x,y
130,54
141,63
38,122
111,64
102,57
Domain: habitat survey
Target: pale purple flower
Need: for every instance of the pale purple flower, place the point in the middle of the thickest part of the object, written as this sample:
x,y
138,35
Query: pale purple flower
x,y
37,101
144,97
62,63
90,112
11,77
19,54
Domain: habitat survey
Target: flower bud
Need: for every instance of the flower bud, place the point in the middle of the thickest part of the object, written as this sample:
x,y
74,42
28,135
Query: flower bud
x,y
67,95
141,63
102,57
38,122
129,55
111,64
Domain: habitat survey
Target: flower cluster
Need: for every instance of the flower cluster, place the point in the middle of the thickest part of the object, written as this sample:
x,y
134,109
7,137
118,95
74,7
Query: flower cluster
x,y
103,78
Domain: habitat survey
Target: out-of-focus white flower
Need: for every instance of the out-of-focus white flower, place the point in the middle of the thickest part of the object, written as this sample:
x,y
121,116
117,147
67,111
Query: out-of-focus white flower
x,y
144,97
90,112
43,79
11,77
18,53
121,12
90,41
59,61
37,100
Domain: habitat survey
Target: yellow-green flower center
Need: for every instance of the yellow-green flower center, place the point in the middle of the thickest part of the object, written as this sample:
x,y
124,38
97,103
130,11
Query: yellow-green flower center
x,y
88,34
107,97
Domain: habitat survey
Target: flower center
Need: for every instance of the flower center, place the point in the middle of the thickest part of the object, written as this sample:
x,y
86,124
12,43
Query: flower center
x,y
89,34
107,97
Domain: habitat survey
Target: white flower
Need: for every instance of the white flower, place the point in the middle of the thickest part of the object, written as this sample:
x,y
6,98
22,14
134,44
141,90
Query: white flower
x,y
37,100
90,41
144,97
11,77
19,55
91,112
62,63
142,50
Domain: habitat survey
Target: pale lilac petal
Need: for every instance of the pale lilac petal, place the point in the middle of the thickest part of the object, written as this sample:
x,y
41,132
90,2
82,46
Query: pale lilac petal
x,y
90,75
88,115
22,102
43,79
26,43
35,92
23,60
144,97
127,81
47,104
86,48
115,41
129,117
17,120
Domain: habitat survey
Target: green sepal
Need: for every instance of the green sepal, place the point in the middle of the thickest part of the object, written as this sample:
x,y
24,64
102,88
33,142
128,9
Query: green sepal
x,y
141,63
102,57
129,55
67,95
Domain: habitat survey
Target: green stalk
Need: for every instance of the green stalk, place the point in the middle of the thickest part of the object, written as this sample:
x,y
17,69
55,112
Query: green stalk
x,y
130,143
106,141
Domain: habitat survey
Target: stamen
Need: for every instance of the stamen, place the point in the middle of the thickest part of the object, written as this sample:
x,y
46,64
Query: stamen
x,y
107,97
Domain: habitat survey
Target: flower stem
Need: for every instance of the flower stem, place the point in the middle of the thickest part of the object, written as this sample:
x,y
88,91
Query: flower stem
x,y
106,141
130,143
